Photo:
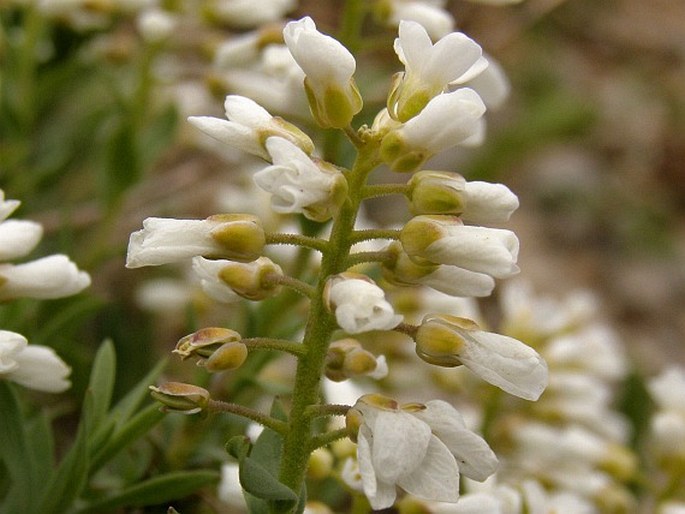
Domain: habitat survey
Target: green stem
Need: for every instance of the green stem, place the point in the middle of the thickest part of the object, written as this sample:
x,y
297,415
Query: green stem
x,y
274,424
296,285
374,233
314,243
362,257
327,410
376,190
320,326
327,438
269,343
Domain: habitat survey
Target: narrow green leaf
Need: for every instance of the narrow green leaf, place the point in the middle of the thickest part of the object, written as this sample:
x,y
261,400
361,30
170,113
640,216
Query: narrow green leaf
x,y
155,491
125,435
71,475
125,408
42,446
101,383
14,447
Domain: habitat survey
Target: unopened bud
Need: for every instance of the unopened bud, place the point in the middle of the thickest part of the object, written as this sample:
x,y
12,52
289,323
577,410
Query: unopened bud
x,y
205,342
353,422
241,236
227,356
436,192
401,270
437,341
422,231
346,358
334,107
254,280
180,397
399,155
320,464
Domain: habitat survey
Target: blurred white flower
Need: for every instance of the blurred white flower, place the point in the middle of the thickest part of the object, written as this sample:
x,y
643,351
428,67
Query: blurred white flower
x,y
55,276
156,25
247,14
32,366
18,238
328,67
420,448
299,184
229,490
431,14
429,68
359,304
667,426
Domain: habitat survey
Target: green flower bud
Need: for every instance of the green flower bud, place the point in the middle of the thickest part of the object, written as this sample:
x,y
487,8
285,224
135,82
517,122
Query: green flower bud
x,y
241,236
399,155
205,342
437,341
255,280
436,192
420,232
228,356
181,398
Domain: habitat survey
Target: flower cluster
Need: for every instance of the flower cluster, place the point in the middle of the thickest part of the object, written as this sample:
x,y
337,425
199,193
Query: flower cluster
x,y
56,276
422,448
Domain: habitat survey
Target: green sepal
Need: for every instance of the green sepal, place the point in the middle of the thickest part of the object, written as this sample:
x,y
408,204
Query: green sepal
x,y
238,447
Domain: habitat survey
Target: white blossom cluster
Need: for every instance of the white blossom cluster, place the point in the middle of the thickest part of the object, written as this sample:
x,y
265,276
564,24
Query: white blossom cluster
x,y
56,276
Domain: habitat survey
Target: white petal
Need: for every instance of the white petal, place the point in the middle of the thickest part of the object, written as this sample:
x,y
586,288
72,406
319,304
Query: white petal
x,y
11,344
399,444
505,362
55,276
40,368
436,477
475,458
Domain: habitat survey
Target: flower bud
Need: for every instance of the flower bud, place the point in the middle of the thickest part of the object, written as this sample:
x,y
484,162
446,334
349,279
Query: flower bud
x,y
254,280
228,356
436,192
320,464
180,397
240,235
332,93
205,342
503,361
359,304
440,344
446,240
353,421
346,359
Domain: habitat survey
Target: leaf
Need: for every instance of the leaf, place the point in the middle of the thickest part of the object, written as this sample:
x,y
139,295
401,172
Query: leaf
x,y
160,489
125,408
261,483
101,383
125,435
238,447
72,474
14,448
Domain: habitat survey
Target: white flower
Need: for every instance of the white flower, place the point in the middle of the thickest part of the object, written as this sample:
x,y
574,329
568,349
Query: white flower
x,y
54,276
429,13
359,304
166,240
420,448
447,120
246,14
248,127
299,184
402,270
668,423
328,66
18,237
446,240
32,366
429,68
668,389
491,84
500,360
672,507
